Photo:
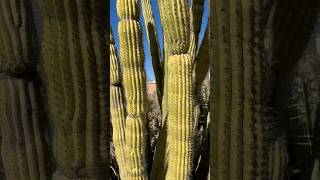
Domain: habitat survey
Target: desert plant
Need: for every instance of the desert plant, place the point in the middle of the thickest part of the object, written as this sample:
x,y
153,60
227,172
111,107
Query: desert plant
x,y
75,72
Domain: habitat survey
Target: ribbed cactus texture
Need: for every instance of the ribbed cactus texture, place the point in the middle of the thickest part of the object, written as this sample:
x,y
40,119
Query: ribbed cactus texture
x,y
237,129
23,145
117,109
175,20
180,117
74,68
134,80
176,24
279,160
17,41
152,35
202,61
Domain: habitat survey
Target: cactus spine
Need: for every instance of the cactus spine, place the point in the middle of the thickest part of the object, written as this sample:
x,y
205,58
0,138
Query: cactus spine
x,y
74,68
132,57
117,109
23,147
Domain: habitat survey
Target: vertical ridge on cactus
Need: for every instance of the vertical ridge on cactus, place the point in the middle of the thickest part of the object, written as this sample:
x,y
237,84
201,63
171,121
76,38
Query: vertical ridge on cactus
x,y
22,136
73,53
118,113
16,37
152,36
180,117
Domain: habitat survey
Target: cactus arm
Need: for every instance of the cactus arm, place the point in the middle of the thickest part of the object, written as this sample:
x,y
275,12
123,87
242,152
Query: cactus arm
x,y
17,125
8,145
38,133
132,57
196,15
153,45
117,109
20,123
175,19
160,164
180,100
17,37
27,131
201,62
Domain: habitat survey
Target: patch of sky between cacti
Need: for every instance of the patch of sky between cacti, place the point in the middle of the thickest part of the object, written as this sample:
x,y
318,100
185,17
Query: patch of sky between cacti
x,y
154,3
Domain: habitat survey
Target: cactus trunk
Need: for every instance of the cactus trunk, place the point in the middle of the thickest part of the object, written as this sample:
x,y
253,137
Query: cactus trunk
x,y
74,69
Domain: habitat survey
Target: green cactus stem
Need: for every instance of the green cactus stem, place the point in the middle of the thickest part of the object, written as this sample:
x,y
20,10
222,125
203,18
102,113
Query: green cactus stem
x,y
17,37
134,78
23,147
279,159
75,71
117,109
180,117
152,36
176,25
237,136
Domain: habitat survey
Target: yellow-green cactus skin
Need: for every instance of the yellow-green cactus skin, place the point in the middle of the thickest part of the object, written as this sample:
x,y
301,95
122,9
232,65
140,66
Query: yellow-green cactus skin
x,y
17,37
23,145
117,109
176,25
74,68
134,80
237,136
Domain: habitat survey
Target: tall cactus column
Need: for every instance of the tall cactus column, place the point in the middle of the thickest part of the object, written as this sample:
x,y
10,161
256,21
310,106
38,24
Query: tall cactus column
x,y
75,71
236,132
132,57
117,109
176,25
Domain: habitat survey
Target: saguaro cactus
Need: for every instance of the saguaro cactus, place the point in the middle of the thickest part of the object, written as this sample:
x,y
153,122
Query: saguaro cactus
x,y
180,88
75,71
117,109
23,147
237,130
132,58
17,37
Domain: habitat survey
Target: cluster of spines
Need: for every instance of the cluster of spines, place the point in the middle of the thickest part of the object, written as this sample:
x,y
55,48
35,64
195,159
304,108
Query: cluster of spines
x,y
23,146
134,80
17,37
74,69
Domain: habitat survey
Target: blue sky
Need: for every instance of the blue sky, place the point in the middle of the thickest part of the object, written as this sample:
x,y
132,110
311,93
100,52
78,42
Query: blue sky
x,y
154,3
